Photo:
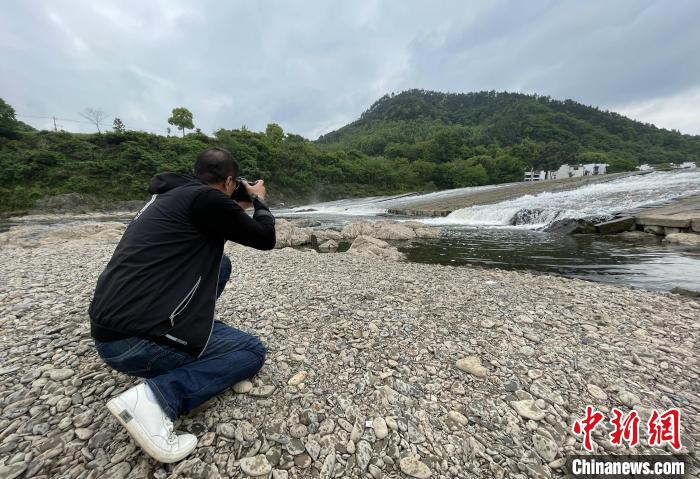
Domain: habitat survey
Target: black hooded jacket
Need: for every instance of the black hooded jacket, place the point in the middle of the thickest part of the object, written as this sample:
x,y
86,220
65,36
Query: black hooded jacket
x,y
161,281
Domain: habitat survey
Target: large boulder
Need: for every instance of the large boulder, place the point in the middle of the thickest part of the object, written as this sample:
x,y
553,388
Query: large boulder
x,y
617,225
571,226
394,231
683,239
328,246
373,247
289,235
328,234
427,232
358,228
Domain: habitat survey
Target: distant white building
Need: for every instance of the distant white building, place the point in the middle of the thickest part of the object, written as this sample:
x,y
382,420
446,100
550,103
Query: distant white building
x,y
538,175
566,171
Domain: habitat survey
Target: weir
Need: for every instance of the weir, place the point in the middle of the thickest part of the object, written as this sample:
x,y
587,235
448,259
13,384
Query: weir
x,y
443,206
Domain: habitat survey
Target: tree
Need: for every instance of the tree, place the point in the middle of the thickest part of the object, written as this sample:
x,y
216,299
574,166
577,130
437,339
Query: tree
x,y
95,116
168,130
274,133
8,122
119,126
181,118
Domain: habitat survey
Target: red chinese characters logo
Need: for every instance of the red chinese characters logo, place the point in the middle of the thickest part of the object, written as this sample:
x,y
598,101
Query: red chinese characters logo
x,y
587,425
626,428
665,428
661,428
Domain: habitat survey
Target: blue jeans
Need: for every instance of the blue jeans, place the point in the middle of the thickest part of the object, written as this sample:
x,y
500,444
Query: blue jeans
x,y
179,380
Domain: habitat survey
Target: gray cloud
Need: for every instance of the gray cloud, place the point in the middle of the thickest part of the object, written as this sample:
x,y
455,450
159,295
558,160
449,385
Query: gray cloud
x,y
314,66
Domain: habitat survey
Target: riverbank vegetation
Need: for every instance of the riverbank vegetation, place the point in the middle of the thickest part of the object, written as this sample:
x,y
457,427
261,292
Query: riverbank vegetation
x,y
413,141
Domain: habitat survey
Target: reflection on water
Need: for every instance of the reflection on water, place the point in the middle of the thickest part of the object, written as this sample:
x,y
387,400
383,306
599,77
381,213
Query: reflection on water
x,y
645,263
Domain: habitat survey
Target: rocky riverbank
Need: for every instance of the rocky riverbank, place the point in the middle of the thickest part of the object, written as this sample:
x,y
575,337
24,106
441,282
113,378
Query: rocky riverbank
x,y
375,368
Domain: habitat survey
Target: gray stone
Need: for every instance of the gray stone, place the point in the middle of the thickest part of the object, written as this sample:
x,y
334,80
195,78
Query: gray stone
x,y
380,428
227,430
628,399
545,447
243,387
12,471
195,469
313,448
61,374
263,391
302,461
364,454
328,468
528,409
413,467
120,471
255,466
295,447
597,392
618,225
472,365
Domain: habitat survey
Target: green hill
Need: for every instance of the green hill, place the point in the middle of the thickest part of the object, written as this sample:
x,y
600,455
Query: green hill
x,y
536,130
413,141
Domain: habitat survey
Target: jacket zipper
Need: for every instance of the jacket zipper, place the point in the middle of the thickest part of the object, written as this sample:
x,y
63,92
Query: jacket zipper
x,y
213,319
185,301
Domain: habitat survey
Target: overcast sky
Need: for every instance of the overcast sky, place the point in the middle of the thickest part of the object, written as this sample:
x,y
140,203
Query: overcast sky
x,y
313,66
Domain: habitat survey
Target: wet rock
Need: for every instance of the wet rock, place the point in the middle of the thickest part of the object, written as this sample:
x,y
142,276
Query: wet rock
x,y
570,226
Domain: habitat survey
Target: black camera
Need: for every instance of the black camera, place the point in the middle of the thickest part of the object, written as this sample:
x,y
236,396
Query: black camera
x,y
240,193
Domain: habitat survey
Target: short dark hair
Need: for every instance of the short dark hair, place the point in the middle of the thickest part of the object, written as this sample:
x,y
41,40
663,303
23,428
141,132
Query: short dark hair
x,y
214,165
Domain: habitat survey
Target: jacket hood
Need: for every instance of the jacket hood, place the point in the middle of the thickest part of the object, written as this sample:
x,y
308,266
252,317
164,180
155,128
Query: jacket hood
x,y
167,181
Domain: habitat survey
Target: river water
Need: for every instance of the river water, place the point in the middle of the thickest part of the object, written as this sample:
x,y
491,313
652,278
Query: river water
x,y
509,234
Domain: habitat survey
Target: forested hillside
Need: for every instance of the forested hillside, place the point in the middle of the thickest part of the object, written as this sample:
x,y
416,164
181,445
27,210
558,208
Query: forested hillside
x,y
504,132
413,141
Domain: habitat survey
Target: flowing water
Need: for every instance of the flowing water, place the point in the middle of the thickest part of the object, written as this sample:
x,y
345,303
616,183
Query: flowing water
x,y
600,200
508,234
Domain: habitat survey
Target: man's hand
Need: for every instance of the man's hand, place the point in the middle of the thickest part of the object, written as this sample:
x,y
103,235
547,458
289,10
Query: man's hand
x,y
257,189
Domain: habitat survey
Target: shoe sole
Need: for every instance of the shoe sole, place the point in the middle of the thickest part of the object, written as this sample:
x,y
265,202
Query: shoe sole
x,y
116,407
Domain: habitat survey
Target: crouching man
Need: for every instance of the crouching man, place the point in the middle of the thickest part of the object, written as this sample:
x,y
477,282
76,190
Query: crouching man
x,y
152,314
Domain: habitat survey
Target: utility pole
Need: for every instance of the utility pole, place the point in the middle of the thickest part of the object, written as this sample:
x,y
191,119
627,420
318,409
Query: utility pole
x,y
54,124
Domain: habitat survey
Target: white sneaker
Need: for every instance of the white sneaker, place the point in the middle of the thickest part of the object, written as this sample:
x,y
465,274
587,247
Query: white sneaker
x,y
139,412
